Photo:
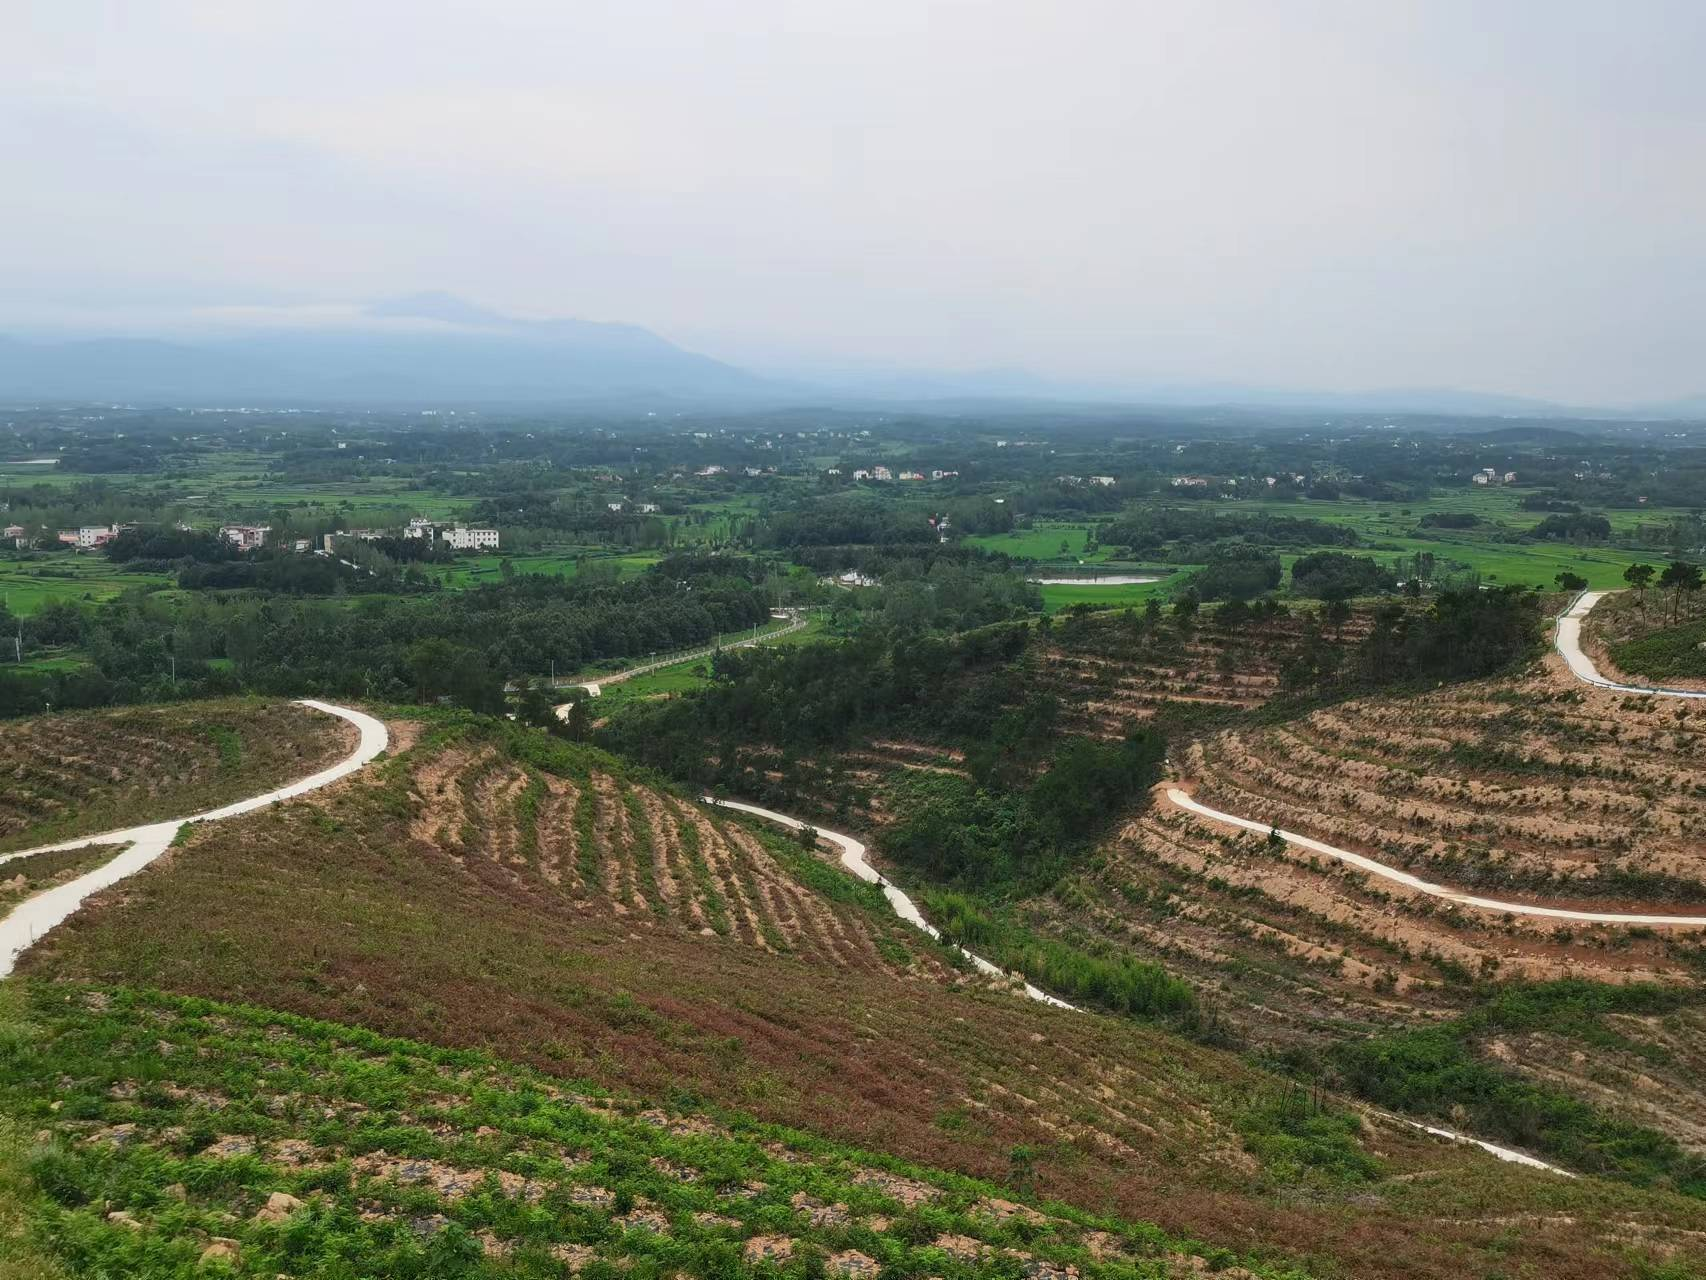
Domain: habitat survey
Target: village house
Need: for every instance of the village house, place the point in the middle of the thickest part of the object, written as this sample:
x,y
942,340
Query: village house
x,y
17,535
91,535
245,537
462,538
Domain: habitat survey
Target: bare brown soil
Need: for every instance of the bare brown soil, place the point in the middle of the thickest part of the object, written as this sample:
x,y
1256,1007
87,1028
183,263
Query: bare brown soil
x,y
80,773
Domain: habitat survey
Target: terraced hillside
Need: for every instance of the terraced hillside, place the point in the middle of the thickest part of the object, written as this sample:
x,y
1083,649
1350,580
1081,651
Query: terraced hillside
x,y
1106,674
1537,789
80,773
488,888
598,841
1112,672
1541,790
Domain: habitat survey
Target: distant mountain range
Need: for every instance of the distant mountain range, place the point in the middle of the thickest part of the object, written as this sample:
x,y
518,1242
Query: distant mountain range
x,y
427,348
433,348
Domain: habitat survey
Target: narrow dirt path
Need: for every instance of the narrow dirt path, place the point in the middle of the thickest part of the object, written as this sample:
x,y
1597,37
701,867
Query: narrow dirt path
x,y
139,846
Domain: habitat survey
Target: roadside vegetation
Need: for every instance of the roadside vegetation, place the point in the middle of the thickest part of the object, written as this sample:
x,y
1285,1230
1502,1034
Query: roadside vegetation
x,y
71,775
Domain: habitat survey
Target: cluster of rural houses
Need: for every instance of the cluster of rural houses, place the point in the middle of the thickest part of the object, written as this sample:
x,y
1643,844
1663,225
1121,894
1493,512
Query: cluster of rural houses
x,y
458,537
885,475
1491,475
252,537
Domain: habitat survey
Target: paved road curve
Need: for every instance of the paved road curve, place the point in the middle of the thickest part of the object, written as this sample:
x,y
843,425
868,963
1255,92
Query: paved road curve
x,y
33,917
853,858
1568,638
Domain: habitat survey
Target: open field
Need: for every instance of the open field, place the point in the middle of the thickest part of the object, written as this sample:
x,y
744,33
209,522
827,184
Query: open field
x,y
1058,596
1389,530
80,773
683,677
1052,540
26,584
472,570
485,887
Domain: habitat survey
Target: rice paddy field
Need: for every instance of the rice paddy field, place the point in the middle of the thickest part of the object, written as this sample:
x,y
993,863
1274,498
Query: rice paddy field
x,y
1389,530
29,582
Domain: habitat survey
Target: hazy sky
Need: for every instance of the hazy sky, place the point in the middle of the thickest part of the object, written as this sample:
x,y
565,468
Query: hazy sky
x,y
1493,194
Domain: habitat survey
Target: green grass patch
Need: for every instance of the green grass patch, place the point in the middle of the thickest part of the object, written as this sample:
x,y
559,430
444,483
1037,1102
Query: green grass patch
x,y
170,1123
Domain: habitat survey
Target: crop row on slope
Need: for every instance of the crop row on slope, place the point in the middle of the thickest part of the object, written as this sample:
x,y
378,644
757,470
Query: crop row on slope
x,y
173,1133
404,900
85,772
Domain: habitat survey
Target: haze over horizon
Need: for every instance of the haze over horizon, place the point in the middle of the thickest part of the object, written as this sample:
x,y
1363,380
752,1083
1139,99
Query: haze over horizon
x,y
1315,195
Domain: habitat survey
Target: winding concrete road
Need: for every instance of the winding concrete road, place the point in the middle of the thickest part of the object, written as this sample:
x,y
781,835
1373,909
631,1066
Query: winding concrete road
x,y
33,917
853,858
1567,638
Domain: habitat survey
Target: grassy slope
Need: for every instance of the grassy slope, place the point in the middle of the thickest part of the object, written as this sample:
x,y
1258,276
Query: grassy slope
x,y
408,1160
334,910
84,772
1639,638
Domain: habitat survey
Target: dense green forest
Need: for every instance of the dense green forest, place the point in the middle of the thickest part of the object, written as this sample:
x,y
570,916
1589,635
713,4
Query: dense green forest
x,y
457,644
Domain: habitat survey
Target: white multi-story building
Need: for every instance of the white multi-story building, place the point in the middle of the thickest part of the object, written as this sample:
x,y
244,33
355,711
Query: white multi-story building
x,y
465,539
245,537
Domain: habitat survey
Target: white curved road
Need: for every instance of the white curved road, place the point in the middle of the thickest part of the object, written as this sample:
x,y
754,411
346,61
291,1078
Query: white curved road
x,y
1569,641
853,858
33,917
1567,638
